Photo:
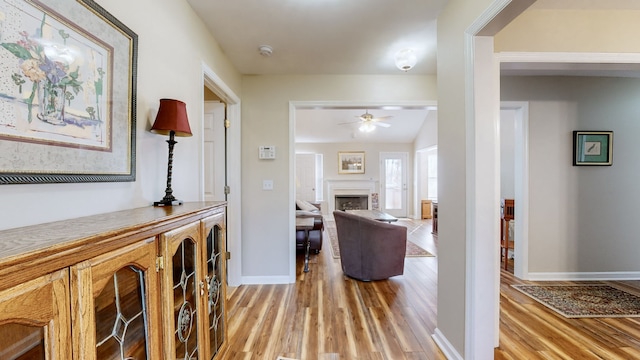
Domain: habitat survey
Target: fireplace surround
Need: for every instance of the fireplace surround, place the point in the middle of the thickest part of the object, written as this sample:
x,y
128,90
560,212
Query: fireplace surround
x,y
349,188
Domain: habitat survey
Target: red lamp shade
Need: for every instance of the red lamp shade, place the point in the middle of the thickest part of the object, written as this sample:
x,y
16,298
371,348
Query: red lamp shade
x,y
172,116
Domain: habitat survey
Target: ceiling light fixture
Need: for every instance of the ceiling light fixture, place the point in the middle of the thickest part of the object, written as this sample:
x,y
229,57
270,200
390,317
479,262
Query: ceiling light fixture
x,y
366,127
406,59
265,50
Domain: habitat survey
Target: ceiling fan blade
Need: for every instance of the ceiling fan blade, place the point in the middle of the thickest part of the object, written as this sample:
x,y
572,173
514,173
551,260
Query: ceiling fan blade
x,y
381,124
380,118
350,122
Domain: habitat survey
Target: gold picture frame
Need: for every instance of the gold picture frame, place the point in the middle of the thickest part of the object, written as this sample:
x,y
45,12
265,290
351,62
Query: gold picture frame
x,y
351,162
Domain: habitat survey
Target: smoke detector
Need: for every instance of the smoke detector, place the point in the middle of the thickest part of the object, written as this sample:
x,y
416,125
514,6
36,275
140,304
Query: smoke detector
x,y
265,50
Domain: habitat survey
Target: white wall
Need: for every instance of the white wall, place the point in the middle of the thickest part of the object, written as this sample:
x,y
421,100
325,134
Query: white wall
x,y
171,51
265,110
427,136
582,219
453,199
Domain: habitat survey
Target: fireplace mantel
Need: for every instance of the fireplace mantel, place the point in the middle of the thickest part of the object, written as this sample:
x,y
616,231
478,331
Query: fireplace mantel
x,y
349,187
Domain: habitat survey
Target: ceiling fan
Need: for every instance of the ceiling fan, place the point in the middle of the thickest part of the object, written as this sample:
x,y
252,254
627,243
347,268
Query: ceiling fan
x,y
368,122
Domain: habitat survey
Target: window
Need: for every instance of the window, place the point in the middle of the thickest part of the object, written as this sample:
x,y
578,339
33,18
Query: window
x,y
432,176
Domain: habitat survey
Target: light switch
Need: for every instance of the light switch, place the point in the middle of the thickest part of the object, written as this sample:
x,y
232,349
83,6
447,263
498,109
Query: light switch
x,y
267,184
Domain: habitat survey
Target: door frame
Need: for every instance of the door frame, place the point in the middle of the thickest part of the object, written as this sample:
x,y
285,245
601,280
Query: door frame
x,y
521,186
383,182
214,83
293,106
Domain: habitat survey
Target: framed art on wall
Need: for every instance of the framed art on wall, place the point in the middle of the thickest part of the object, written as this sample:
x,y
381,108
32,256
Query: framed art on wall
x,y
592,148
351,162
67,93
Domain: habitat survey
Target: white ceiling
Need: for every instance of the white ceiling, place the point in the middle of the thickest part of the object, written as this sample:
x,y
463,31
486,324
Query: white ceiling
x,y
353,37
323,36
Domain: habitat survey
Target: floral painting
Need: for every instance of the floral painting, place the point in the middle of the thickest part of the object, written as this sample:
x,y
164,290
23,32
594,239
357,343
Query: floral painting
x,y
68,72
53,79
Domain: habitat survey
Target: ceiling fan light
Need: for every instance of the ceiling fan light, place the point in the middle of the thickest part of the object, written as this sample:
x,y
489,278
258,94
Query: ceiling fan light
x,y
406,59
366,127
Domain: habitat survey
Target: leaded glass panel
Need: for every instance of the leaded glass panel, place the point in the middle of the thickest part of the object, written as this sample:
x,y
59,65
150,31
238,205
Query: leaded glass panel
x,y
121,317
185,293
215,301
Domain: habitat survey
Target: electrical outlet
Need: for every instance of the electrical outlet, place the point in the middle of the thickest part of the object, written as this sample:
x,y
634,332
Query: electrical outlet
x,y
267,184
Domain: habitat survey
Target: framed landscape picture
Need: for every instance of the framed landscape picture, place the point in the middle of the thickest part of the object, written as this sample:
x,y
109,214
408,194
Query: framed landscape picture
x,y
351,162
592,148
67,93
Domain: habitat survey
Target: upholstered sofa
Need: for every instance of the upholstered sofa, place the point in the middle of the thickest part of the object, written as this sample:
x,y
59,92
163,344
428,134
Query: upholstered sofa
x,y
307,209
370,249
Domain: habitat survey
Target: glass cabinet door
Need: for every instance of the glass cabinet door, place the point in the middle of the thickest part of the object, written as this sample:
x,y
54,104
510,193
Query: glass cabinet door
x,y
116,295
183,292
35,319
214,228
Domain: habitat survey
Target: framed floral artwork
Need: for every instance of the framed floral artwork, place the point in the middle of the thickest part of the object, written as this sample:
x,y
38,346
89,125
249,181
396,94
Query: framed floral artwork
x,y
592,148
67,93
351,162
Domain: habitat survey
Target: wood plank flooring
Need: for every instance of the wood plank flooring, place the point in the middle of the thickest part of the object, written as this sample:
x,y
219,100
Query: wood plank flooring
x,y
326,315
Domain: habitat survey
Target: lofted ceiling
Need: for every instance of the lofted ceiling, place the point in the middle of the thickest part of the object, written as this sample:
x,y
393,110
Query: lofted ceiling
x,y
354,37
340,125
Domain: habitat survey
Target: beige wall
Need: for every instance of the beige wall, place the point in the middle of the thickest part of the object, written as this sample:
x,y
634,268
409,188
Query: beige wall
x,y
265,121
171,51
571,31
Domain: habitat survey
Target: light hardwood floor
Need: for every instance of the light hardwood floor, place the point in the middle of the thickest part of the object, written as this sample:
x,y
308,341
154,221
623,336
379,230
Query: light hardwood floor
x,y
326,315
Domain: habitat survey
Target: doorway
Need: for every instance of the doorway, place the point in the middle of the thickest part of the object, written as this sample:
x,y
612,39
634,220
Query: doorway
x,y
215,156
393,183
309,177
213,88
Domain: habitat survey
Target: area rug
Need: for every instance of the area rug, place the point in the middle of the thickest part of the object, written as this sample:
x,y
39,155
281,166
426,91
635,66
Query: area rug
x,y
413,250
582,301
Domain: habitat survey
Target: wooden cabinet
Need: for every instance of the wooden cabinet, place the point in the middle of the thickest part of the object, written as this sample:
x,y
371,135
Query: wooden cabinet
x,y
193,289
35,319
426,209
145,283
214,229
115,297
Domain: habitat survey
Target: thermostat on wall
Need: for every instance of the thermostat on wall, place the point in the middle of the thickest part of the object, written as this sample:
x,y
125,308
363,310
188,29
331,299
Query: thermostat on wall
x,y
267,152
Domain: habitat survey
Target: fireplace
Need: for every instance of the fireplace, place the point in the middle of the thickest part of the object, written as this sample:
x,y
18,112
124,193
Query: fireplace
x,y
361,189
352,202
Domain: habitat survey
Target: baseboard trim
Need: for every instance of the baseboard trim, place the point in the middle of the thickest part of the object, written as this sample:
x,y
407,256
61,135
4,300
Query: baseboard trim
x,y
267,280
445,346
584,276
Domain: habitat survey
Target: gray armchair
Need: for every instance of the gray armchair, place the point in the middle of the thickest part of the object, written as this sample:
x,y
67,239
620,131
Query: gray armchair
x,y
370,249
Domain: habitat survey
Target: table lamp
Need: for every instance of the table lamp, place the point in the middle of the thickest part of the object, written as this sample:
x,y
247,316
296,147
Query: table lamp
x,y
171,120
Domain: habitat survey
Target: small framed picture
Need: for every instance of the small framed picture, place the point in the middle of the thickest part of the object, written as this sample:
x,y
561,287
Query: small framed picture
x,y
592,148
351,162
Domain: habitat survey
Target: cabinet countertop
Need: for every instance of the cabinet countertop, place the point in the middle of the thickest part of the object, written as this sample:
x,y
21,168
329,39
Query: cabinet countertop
x,y
69,241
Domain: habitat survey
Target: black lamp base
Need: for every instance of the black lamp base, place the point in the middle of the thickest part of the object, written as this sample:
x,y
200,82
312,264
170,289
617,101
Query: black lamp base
x,y
164,202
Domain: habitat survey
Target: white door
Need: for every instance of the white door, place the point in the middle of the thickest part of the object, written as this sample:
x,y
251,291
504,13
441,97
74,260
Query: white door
x,y
214,151
393,182
306,177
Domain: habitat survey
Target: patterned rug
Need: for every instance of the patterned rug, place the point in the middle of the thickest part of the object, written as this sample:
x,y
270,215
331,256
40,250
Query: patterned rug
x,y
413,250
581,301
